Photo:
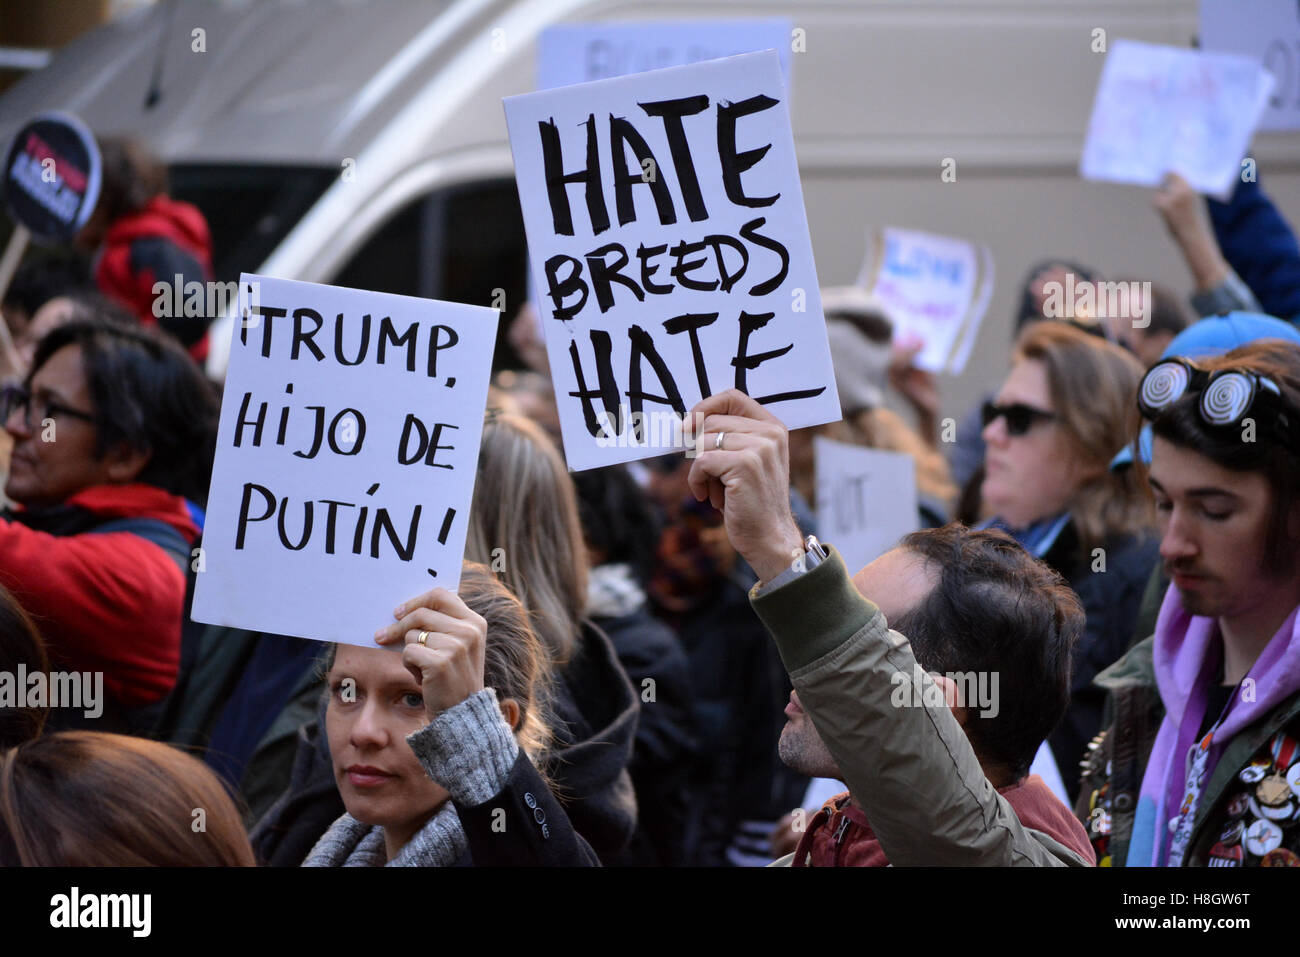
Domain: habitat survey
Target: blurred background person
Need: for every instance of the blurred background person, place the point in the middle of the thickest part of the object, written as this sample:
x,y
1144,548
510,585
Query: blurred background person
x,y
98,549
966,456
1066,408
140,236
620,527
1146,328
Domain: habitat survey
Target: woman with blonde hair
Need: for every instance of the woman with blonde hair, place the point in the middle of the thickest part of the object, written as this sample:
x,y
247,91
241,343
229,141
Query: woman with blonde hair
x,y
90,799
1067,406
436,751
524,526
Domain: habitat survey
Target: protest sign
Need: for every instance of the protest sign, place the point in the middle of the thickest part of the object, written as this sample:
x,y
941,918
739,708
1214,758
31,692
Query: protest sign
x,y
52,176
570,53
936,289
1160,109
1267,31
669,245
866,499
346,456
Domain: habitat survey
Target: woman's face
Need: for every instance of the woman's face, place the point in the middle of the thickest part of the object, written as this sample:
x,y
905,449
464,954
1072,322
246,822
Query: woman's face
x,y
374,704
1031,476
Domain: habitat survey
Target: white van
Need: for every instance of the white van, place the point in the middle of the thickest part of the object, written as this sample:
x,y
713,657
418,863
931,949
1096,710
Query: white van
x,y
364,143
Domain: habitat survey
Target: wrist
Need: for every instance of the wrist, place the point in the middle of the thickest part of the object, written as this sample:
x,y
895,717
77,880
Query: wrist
x,y
777,554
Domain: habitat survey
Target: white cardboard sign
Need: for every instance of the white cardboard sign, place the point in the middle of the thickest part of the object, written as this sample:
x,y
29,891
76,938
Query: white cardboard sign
x,y
570,53
936,290
670,252
1267,31
866,499
1162,109
346,457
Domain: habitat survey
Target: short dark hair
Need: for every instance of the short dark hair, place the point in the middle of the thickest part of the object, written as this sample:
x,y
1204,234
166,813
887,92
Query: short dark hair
x,y
38,281
618,518
1165,311
1275,452
996,609
149,395
131,177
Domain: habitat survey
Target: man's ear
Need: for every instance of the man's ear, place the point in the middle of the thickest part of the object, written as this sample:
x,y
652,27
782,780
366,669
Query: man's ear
x,y
951,697
125,463
511,711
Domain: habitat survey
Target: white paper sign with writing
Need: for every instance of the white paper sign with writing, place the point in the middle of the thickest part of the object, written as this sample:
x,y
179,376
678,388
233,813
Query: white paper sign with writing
x,y
936,289
670,250
866,499
1267,31
1162,109
581,52
346,456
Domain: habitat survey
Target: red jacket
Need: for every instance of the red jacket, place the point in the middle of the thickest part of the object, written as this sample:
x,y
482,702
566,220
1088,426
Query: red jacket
x,y
839,835
104,601
165,239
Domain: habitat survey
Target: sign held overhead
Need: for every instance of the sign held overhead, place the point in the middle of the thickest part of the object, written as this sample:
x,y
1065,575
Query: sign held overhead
x,y
670,251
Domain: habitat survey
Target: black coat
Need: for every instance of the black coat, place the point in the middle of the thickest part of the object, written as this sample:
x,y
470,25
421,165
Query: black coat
x,y
1110,600
595,712
665,746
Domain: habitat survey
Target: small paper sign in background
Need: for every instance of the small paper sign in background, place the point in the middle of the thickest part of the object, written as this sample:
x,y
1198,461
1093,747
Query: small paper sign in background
x,y
935,289
866,499
1161,109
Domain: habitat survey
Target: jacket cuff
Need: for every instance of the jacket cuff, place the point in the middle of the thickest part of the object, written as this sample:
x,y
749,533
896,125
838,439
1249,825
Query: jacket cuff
x,y
813,614
468,749
1230,295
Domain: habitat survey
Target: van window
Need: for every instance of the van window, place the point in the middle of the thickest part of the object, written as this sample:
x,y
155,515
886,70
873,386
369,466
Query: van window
x,y
249,209
462,244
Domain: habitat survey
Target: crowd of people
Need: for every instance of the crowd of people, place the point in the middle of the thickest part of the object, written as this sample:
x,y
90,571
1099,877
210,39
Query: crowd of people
x,y
660,664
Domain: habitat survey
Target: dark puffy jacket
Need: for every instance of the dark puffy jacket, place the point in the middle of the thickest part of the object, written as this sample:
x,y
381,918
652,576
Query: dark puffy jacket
x,y
665,745
1261,248
596,714
103,577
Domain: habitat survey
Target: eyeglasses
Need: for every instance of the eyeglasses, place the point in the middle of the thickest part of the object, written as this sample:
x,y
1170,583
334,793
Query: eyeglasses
x,y
14,397
1226,394
1020,417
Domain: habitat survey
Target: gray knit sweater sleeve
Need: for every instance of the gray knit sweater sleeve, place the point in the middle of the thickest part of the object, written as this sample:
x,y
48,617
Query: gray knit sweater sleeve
x,y
468,749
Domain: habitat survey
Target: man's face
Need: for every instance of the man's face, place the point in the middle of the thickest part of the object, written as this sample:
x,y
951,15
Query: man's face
x,y
45,472
896,582
1214,523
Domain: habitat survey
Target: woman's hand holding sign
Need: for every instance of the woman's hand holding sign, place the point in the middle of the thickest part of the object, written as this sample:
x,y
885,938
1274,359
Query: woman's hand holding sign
x,y
445,646
742,466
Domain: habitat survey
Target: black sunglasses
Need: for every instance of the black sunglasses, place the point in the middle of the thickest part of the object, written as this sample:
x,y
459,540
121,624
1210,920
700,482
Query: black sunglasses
x,y
16,397
1020,417
1226,394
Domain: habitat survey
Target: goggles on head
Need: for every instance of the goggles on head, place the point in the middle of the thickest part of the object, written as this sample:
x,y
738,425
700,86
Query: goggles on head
x,y
1226,394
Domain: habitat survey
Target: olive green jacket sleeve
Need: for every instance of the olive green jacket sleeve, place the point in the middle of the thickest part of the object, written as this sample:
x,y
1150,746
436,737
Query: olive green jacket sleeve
x,y
908,766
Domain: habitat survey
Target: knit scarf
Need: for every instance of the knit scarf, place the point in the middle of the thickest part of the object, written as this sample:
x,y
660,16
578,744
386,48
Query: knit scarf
x,y
350,843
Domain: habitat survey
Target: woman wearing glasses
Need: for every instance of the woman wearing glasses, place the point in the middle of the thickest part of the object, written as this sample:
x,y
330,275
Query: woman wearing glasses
x,y
1065,409
112,440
